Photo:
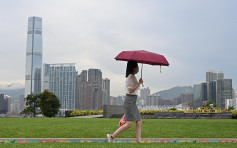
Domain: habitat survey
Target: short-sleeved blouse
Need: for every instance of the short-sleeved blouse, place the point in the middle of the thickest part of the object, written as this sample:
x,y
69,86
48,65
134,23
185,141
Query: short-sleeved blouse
x,y
131,81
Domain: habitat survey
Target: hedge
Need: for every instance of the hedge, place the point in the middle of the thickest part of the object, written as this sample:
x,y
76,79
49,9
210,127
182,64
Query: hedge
x,y
234,114
85,112
151,112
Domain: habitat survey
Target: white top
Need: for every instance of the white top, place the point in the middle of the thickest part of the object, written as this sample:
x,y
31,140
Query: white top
x,y
131,81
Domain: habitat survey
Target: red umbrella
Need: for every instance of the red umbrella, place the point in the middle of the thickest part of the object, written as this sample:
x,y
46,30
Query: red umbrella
x,y
142,56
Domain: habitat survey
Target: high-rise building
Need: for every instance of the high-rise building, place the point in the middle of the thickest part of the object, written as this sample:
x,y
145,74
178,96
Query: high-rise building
x,y
224,91
92,91
211,91
153,100
144,93
106,92
33,56
5,104
61,80
211,76
94,100
197,100
233,93
204,91
220,75
82,91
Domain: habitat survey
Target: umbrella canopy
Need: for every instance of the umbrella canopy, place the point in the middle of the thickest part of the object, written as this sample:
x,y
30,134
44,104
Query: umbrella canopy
x,y
142,56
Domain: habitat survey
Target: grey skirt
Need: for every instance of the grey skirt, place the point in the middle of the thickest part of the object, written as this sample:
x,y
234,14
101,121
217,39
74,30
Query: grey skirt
x,y
130,108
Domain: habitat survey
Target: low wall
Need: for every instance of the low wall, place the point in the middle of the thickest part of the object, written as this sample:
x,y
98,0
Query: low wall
x,y
113,111
181,115
117,111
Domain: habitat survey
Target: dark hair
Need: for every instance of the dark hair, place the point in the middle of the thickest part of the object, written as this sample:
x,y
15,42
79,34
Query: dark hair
x,y
130,67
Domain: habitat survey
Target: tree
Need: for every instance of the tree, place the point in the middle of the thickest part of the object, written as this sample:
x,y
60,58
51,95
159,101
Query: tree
x,y
49,104
32,103
210,102
230,108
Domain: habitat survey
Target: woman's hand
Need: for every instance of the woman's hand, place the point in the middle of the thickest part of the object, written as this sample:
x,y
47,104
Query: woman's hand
x,y
140,81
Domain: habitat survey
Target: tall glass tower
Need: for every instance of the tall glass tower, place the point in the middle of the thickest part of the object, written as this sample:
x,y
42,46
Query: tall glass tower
x,y
33,56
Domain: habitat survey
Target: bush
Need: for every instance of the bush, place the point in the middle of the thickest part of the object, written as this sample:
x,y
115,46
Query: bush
x,y
151,112
234,114
85,112
172,109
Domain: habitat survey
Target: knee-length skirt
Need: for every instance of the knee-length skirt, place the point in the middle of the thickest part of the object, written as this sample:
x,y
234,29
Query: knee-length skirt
x,y
130,108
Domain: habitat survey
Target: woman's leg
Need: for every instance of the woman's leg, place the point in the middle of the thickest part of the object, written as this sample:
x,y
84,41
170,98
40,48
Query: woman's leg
x,y
127,125
138,130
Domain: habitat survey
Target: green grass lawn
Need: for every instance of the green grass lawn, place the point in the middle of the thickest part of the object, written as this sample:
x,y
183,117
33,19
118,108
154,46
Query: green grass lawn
x,y
99,127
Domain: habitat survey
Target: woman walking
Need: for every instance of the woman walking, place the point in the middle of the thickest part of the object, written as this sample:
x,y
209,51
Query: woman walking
x,y
131,111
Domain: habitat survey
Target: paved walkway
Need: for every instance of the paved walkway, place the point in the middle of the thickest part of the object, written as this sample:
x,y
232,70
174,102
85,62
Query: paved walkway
x,y
90,116
117,140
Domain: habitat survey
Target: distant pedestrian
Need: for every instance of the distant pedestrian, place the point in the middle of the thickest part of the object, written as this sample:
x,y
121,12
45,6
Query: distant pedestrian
x,y
131,111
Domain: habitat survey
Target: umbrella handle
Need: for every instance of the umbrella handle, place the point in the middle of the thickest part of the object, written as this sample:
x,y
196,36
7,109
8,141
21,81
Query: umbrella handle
x,y
141,74
141,70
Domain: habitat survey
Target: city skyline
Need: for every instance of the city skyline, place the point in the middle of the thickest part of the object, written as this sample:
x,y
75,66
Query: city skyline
x,y
194,36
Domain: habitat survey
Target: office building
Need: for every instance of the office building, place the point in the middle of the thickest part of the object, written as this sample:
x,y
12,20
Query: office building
x,y
5,104
220,75
82,91
106,91
144,93
197,100
33,56
211,76
61,80
204,92
94,100
211,91
224,91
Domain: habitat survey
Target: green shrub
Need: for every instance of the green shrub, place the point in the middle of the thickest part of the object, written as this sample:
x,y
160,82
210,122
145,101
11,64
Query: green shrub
x,y
151,112
172,109
85,112
234,114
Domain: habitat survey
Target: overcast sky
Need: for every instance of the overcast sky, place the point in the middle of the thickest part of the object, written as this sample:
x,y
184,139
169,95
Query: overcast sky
x,y
195,36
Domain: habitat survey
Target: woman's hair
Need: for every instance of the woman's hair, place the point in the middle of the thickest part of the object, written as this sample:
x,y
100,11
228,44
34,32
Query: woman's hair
x,y
130,67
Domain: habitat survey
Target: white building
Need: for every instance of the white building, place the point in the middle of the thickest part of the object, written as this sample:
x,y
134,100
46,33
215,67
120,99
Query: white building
x,y
144,93
61,80
231,102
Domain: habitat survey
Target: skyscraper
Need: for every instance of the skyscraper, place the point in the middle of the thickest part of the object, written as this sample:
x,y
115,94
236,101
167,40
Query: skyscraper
x,y
220,75
144,93
61,80
211,76
211,93
33,56
224,91
82,91
197,100
106,91
94,89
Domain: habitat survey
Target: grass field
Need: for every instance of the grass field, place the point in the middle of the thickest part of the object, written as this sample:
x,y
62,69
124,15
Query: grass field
x,y
99,127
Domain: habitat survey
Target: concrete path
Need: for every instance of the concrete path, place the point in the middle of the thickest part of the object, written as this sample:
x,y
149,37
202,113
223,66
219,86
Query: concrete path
x,y
117,140
91,116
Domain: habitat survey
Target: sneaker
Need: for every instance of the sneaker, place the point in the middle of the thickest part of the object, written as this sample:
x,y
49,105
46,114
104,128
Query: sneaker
x,y
109,137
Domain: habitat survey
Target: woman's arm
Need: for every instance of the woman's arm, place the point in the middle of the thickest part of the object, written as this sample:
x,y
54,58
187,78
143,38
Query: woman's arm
x,y
131,90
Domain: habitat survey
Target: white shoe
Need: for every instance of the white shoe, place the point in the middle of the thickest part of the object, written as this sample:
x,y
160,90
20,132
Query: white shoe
x,y
110,140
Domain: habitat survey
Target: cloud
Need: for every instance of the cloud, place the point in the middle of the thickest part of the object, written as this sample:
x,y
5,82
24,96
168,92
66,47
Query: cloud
x,y
195,36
